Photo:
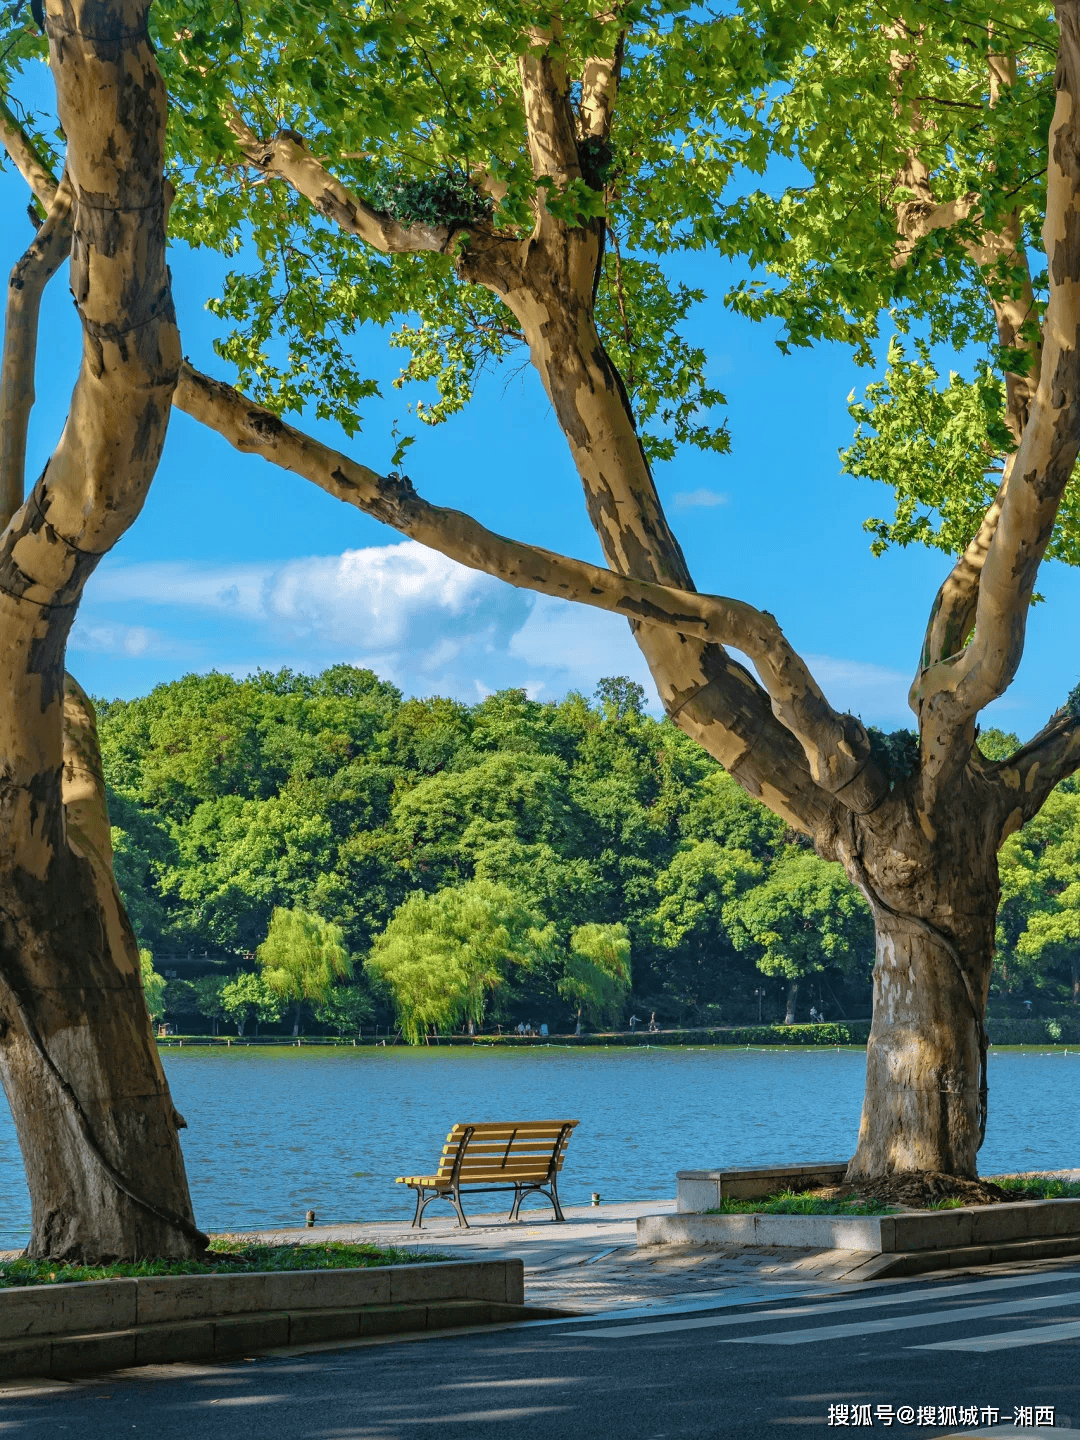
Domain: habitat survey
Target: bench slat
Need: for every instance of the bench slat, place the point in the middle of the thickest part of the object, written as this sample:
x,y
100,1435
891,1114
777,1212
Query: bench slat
x,y
473,1178
498,1151
491,1130
511,1172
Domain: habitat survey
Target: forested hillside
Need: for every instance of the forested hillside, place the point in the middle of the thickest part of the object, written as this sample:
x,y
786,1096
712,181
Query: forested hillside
x,y
334,796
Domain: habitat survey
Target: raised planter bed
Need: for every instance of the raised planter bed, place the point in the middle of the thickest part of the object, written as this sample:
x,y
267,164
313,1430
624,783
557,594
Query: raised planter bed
x,y
976,1225
703,1189
899,1244
95,1325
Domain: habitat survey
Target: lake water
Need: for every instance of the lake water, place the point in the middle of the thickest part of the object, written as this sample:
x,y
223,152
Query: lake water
x,y
275,1132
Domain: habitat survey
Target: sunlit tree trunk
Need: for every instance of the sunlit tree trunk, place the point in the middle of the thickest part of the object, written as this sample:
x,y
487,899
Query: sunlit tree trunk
x,y
80,1068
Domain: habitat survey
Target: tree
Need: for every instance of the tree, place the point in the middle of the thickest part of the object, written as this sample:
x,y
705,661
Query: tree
x,y
209,991
943,241
704,877
91,1106
153,985
800,919
444,958
301,958
248,997
597,975
517,191
961,208
345,1009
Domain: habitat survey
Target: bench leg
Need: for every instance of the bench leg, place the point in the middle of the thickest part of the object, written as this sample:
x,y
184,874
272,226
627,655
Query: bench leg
x,y
456,1198
421,1206
519,1195
554,1197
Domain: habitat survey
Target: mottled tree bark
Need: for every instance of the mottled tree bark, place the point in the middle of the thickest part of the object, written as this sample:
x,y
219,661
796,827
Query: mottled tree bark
x,y
92,1110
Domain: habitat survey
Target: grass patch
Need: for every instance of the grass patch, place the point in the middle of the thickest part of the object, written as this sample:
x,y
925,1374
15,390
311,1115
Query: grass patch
x,y
1037,1187
236,1258
805,1202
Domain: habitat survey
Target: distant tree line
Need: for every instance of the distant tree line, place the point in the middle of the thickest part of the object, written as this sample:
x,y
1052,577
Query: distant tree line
x,y
355,858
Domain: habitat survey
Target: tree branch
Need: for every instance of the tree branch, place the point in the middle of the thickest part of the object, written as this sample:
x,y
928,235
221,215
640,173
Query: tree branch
x,y
599,87
953,611
1026,778
836,746
287,157
548,117
952,691
46,254
25,157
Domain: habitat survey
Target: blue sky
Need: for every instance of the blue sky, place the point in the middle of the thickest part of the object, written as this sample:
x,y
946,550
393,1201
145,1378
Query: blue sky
x,y
235,565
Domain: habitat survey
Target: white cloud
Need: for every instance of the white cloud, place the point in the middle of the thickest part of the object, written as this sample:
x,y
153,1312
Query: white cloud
x,y
378,600
129,640
695,499
412,615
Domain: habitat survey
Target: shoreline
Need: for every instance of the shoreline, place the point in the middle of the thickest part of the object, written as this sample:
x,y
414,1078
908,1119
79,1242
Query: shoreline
x,y
1004,1034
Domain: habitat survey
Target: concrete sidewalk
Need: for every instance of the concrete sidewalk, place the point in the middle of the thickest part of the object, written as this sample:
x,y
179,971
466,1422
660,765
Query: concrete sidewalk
x,y
591,1261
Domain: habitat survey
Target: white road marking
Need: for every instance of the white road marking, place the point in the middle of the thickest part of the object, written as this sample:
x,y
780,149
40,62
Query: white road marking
x,y
956,1316
1012,1340
743,1297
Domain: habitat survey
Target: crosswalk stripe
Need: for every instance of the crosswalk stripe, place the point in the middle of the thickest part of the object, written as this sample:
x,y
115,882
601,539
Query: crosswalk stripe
x,y
957,1315
1010,1340
864,1302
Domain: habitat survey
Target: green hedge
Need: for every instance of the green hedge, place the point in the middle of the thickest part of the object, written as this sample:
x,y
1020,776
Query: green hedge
x,y
1064,1030
855,1033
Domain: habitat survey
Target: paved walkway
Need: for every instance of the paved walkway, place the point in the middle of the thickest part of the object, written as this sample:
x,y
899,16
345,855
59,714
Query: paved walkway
x,y
591,1262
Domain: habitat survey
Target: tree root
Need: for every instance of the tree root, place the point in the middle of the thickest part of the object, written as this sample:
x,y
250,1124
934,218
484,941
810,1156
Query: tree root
x,y
920,1189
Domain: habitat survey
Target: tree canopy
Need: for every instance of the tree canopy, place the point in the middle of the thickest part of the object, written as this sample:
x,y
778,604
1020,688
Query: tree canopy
x,y
483,181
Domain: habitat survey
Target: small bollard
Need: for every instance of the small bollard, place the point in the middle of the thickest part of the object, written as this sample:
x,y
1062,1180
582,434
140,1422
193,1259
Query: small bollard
x,y
310,1217
595,1197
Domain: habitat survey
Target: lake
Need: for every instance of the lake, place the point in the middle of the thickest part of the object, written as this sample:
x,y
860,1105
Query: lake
x,y
275,1132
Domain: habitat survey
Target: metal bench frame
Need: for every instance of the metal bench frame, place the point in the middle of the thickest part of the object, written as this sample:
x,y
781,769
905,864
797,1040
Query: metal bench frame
x,y
548,1187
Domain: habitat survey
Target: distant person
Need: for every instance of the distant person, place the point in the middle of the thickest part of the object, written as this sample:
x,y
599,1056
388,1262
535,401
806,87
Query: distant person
x,y
543,1030
633,1023
653,1027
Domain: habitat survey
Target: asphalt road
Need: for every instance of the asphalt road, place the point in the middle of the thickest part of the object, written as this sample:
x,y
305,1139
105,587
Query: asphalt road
x,y
971,1342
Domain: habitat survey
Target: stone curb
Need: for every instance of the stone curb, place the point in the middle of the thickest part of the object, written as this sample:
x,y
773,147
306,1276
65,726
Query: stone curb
x,y
63,1356
974,1225
919,1262
104,1324
700,1190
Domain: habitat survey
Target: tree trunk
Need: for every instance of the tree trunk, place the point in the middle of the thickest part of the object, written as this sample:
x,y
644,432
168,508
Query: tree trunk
x,y
1076,979
79,1065
792,996
296,1020
82,1074
925,1066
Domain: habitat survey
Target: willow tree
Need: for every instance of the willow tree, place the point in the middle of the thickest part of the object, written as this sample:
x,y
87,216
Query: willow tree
x,y
494,179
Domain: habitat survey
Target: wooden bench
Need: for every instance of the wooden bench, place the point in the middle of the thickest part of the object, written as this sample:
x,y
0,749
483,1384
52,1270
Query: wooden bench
x,y
523,1156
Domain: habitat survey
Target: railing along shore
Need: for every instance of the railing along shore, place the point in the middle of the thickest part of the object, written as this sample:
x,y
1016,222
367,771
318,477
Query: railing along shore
x,y
831,1034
